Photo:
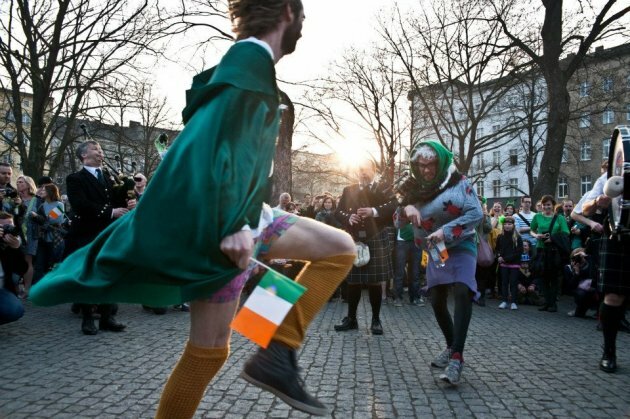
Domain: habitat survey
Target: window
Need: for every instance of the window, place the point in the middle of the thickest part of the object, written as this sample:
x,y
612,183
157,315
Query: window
x,y
628,82
584,88
497,127
26,119
26,103
496,158
479,132
628,112
480,162
605,148
565,155
608,117
7,159
513,157
563,187
496,188
585,151
480,189
586,184
607,85
513,186
585,121
10,117
9,135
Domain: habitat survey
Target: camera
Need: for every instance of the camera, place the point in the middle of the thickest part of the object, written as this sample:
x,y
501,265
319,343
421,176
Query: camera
x,y
9,193
11,229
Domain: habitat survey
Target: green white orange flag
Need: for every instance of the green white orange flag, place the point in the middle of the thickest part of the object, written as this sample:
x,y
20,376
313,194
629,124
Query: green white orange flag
x,y
55,213
266,307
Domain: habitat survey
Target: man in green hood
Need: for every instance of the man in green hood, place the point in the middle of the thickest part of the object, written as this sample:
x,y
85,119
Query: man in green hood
x,y
218,169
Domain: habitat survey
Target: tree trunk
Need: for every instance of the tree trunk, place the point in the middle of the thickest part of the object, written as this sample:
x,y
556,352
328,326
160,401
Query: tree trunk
x,y
557,122
282,168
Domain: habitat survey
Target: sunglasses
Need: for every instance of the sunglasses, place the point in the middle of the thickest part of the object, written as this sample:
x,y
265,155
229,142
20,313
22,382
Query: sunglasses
x,y
137,179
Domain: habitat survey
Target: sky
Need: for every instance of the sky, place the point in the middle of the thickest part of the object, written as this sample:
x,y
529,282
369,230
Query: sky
x,y
330,27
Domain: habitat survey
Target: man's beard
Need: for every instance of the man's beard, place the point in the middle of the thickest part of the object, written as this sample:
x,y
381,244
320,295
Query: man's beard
x,y
291,36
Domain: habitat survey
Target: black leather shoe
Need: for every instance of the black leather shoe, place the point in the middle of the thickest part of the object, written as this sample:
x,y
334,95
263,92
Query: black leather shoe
x,y
608,363
376,328
552,309
88,327
75,308
275,369
110,323
347,324
544,308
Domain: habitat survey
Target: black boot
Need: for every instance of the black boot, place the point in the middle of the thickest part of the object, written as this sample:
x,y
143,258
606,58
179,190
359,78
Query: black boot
x,y
376,328
87,326
608,363
108,322
347,324
275,369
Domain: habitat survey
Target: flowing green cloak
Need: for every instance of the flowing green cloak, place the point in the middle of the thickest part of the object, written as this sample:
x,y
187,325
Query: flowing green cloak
x,y
212,182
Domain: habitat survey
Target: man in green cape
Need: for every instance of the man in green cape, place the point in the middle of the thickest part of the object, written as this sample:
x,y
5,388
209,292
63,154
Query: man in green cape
x,y
198,221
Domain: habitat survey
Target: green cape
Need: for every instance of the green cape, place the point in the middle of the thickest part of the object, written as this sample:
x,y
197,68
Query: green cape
x,y
212,182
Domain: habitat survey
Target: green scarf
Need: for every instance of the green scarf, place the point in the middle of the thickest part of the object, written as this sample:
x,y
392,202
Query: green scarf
x,y
444,158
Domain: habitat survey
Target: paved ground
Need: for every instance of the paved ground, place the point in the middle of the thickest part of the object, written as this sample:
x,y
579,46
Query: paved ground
x,y
518,364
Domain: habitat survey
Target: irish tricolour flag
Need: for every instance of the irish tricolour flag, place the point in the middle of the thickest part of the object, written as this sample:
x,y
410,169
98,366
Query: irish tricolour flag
x,y
266,307
55,213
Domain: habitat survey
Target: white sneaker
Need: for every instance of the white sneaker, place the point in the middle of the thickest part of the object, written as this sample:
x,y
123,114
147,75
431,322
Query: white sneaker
x,y
503,305
513,306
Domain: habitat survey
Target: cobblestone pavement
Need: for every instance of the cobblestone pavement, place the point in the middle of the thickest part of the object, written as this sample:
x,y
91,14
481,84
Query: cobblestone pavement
x,y
518,364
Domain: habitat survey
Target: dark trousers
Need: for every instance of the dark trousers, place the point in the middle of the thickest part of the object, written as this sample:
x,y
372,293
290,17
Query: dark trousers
x,y
549,282
45,258
454,329
407,253
509,283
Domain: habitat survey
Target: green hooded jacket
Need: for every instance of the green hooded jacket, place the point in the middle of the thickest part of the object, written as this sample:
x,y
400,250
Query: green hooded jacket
x,y
212,182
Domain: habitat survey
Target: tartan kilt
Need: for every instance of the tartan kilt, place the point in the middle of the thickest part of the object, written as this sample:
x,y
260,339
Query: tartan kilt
x,y
380,267
614,266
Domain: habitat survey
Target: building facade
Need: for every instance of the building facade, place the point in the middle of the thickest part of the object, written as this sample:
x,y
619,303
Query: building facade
x,y
506,167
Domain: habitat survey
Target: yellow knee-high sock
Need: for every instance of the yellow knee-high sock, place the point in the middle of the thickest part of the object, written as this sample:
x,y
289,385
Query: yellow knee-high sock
x,y
188,381
321,278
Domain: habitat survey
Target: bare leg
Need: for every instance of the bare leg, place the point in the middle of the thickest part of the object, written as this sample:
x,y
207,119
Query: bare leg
x,y
311,240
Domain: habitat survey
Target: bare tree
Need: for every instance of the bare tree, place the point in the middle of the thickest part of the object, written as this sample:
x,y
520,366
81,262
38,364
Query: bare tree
x,y
558,48
62,51
462,79
369,84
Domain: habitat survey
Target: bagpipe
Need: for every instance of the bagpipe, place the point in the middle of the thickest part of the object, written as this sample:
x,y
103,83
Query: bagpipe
x,y
123,184
618,179
161,144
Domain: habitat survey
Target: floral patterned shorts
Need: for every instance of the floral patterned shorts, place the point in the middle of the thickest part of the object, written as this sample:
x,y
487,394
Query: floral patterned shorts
x,y
282,221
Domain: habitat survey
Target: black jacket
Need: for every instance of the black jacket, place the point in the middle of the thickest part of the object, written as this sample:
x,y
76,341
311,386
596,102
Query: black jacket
x,y
505,248
353,198
92,205
13,262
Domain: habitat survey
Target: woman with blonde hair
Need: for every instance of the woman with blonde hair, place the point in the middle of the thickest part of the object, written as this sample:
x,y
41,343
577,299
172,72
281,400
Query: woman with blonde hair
x,y
508,250
26,188
50,215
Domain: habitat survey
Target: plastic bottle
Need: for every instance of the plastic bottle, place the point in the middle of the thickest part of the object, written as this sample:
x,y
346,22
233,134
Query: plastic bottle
x,y
438,254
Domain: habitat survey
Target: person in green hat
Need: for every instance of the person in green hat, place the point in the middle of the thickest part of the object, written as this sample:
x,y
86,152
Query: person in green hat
x,y
444,210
